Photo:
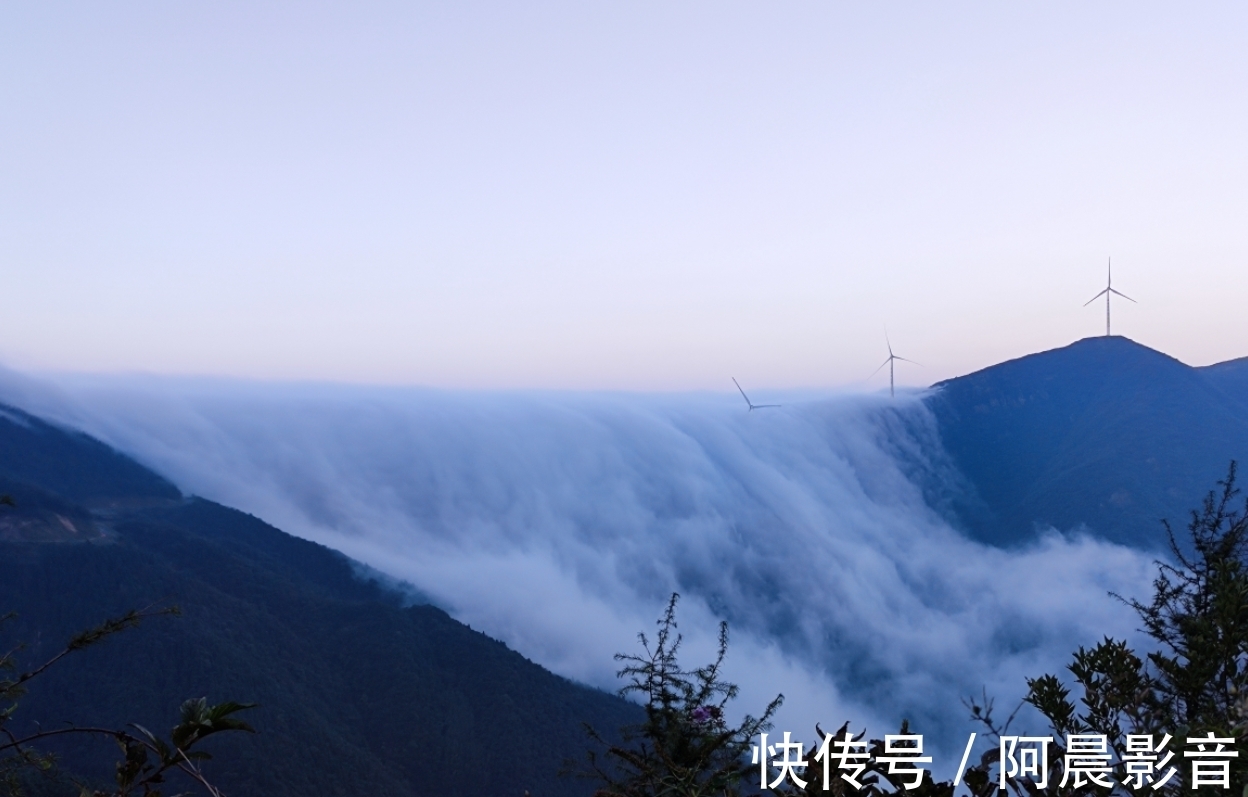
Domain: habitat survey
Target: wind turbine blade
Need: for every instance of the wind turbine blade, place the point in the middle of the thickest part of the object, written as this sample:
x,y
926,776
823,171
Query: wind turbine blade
x,y
764,406
1099,295
747,398
1123,295
912,362
877,370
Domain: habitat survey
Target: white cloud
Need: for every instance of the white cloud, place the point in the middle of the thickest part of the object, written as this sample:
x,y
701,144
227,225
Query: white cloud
x,y
560,523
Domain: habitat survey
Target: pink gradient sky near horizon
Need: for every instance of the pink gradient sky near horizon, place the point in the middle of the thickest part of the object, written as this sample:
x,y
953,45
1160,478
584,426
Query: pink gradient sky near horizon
x,y
647,196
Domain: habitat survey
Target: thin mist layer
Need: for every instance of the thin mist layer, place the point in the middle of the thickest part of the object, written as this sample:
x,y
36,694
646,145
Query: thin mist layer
x,y
561,523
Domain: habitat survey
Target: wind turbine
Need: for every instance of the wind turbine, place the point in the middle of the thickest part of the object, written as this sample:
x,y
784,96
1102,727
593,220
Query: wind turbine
x,y
1109,288
748,403
889,363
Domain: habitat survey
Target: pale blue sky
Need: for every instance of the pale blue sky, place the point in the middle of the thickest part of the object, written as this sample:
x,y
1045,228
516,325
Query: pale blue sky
x,y
615,195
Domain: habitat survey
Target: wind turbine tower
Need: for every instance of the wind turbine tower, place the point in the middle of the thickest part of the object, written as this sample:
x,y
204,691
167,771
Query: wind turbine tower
x,y
889,362
1109,288
752,406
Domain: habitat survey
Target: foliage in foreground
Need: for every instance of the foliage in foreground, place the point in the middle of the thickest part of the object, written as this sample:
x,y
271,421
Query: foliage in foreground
x,y
685,745
147,760
1195,683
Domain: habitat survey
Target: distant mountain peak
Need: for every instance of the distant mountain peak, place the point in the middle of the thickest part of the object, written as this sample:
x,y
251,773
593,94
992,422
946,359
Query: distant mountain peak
x,y
1111,354
1105,433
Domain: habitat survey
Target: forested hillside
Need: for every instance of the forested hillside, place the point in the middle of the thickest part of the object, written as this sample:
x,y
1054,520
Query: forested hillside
x,y
358,693
1104,433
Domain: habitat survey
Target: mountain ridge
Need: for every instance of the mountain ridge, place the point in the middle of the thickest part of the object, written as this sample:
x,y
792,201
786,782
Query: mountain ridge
x,y
358,691
1104,433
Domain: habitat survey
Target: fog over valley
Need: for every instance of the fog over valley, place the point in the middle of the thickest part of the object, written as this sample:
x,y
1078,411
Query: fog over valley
x,y
416,355
560,523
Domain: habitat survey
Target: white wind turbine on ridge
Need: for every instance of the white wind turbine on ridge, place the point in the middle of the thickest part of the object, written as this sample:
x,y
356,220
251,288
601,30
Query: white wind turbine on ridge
x,y
889,362
1109,288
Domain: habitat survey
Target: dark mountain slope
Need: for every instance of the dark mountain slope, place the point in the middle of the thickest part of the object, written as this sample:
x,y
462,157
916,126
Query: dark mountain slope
x,y
358,694
1231,376
1104,432
72,465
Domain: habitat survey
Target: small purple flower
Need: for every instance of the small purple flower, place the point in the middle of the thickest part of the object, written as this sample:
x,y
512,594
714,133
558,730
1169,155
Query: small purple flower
x,y
704,714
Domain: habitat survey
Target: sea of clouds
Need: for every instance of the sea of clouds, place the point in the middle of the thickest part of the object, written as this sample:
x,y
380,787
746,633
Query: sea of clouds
x,y
561,522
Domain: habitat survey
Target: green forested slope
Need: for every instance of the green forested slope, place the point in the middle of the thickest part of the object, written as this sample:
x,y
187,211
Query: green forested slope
x,y
1104,433
358,693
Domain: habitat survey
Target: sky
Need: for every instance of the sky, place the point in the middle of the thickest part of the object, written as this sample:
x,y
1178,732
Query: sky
x,y
615,196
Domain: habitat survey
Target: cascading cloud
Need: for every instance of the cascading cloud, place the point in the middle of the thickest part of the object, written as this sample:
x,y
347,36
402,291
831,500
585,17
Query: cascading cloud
x,y
560,523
